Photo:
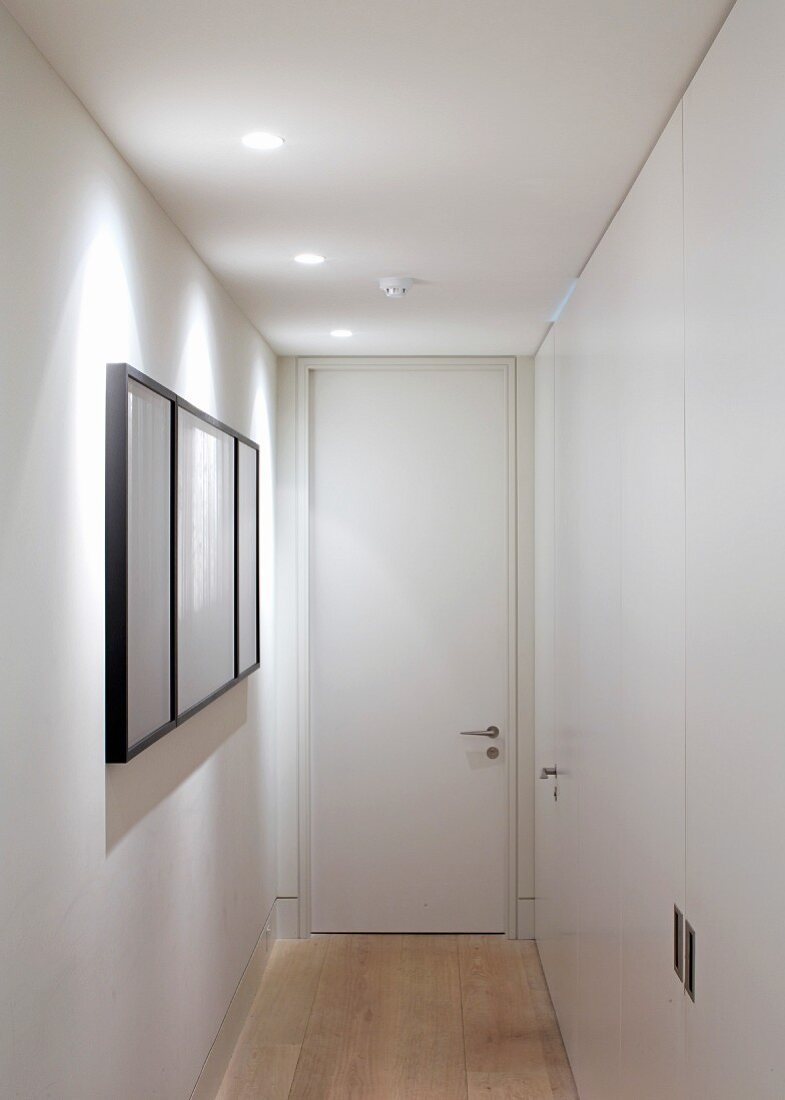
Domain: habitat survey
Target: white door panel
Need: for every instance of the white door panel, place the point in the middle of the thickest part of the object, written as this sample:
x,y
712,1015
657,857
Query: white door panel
x,y
409,635
549,871
563,962
735,217
650,323
588,352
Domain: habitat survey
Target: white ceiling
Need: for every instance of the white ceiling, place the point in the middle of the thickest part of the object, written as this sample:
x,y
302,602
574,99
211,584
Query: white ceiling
x,y
480,146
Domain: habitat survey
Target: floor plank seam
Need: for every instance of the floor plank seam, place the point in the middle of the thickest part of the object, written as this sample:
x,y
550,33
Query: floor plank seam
x,y
463,1015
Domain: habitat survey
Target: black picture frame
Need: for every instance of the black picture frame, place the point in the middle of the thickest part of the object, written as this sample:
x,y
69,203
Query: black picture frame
x,y
118,748
241,673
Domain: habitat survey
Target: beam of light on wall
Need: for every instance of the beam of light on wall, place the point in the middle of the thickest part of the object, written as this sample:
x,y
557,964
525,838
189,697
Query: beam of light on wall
x,y
560,307
106,334
195,376
262,413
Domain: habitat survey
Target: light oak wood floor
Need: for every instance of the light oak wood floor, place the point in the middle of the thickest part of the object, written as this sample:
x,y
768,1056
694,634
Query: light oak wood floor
x,y
401,1018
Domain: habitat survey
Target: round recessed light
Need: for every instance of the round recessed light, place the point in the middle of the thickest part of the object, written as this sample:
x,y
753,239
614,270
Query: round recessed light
x,y
260,139
309,258
341,333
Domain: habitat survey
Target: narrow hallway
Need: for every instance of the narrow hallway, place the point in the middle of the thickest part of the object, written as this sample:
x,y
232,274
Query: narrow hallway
x,y
392,550
395,1017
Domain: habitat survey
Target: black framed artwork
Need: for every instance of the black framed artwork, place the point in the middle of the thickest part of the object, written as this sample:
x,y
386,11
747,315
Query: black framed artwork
x,y
182,560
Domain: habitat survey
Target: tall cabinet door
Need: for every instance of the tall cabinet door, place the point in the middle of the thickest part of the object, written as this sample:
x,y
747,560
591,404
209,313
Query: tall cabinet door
x,y
560,954
548,853
556,834
589,656
734,141
651,747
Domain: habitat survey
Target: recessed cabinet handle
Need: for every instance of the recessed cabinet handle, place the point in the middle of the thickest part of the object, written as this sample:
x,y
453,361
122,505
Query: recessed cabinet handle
x,y
548,773
678,942
689,967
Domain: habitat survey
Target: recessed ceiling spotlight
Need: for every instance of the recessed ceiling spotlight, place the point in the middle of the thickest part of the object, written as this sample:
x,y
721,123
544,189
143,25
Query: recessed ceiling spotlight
x,y
309,258
260,139
341,333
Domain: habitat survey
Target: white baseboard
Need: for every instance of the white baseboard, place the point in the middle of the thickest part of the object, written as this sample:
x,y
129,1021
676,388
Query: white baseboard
x,y
525,918
217,1062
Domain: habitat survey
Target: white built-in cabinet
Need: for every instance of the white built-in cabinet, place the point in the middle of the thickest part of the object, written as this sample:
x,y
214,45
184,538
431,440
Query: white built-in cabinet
x,y
734,119
660,606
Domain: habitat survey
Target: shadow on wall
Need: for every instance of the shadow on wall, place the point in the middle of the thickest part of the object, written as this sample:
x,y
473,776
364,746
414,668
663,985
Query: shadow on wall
x,y
133,790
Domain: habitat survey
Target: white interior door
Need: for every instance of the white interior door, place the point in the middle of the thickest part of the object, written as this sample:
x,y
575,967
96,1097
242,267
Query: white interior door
x,y
410,644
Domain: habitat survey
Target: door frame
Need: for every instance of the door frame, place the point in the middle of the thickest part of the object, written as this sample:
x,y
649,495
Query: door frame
x,y
305,366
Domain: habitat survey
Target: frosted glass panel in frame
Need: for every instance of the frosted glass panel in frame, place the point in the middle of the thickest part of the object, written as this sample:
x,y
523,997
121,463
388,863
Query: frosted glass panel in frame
x,y
149,561
205,559
248,578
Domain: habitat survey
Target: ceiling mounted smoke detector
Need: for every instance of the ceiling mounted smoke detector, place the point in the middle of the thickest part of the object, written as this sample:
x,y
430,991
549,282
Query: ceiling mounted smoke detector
x,y
396,286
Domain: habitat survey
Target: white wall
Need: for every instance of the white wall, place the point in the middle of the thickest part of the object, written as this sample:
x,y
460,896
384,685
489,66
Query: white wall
x,y
525,581
662,390
131,896
286,631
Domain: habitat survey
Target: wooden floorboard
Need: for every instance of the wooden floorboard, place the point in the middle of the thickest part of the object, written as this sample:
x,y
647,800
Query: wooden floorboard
x,y
371,1017
350,1041
559,1072
267,1052
504,1052
429,1055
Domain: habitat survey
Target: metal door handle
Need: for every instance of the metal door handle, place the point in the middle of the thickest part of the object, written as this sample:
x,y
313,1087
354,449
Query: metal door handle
x,y
548,773
492,731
